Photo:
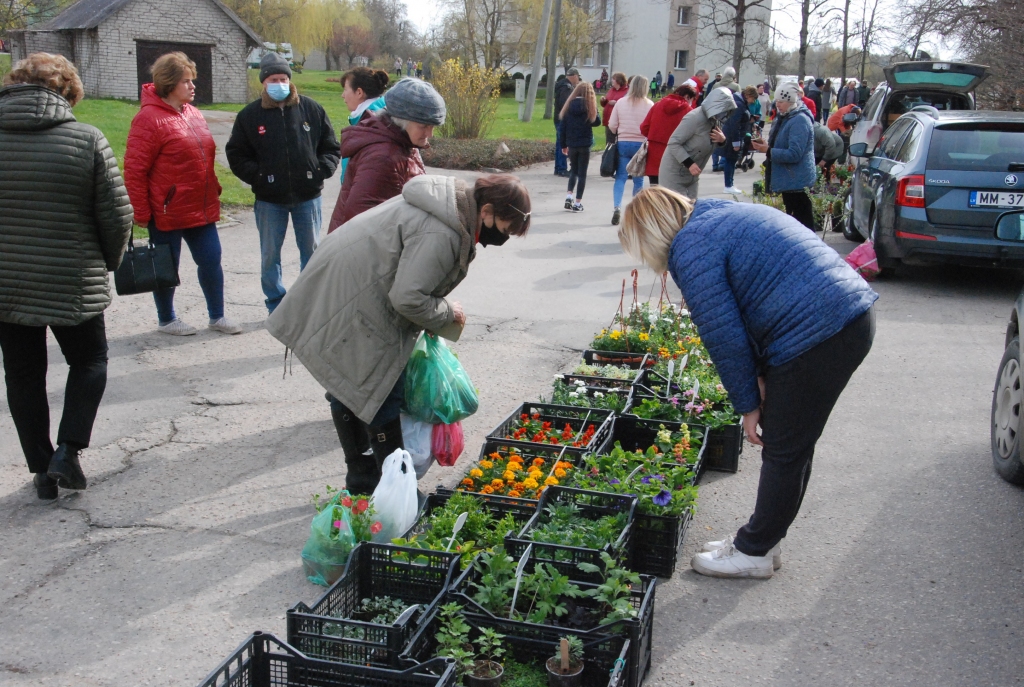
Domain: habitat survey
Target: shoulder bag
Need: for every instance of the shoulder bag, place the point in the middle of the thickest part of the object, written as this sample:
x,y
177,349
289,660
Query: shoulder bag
x,y
145,269
610,160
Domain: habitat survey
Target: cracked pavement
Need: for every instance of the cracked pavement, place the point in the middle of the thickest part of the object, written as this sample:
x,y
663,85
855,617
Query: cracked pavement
x,y
904,566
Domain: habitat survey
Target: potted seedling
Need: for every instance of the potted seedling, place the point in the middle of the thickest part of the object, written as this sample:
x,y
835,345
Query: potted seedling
x,y
565,668
480,668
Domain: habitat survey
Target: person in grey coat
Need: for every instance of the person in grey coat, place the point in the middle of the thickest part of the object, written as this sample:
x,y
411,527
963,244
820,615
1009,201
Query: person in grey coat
x,y
354,314
691,143
65,221
828,147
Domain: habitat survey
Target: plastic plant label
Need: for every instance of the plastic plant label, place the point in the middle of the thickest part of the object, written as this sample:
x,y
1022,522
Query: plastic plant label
x,y
459,523
519,577
671,373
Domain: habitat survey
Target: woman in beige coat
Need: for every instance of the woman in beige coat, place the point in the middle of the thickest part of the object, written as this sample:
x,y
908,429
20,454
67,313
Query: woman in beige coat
x,y
355,312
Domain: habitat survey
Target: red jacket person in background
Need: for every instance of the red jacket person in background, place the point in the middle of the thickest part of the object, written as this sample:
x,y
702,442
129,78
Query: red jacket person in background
x,y
173,187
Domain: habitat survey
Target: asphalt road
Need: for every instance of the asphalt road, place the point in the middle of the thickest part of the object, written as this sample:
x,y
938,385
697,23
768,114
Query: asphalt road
x,y
904,567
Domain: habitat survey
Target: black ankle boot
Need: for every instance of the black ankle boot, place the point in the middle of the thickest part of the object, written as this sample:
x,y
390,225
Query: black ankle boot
x,y
362,474
46,488
384,440
64,468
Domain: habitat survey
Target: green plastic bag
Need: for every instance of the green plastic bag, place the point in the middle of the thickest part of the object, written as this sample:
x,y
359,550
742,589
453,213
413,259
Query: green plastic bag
x,y
330,542
437,388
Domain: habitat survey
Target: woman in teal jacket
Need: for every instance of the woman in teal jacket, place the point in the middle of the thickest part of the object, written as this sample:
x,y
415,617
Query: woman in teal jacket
x,y
363,92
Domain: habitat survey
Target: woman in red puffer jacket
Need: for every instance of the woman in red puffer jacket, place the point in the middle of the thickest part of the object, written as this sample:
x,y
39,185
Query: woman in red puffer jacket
x,y
618,88
172,184
660,122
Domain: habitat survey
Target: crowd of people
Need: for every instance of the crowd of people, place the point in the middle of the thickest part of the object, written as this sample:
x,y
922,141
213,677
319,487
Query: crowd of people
x,y
704,118
67,215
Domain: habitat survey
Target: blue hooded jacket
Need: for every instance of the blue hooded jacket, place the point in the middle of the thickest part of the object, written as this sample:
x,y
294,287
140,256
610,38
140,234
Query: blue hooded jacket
x,y
574,130
761,288
791,145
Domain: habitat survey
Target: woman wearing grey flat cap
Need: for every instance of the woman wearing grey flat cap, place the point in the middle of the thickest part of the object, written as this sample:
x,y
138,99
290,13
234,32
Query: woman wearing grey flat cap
x,y
383,150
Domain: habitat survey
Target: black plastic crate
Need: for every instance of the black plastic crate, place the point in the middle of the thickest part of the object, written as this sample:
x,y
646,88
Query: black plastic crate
x,y
603,384
592,505
656,542
638,434
521,509
416,576
639,631
263,660
634,361
577,418
606,658
724,447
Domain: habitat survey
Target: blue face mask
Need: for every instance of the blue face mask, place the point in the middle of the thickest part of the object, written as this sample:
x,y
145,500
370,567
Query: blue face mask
x,y
278,91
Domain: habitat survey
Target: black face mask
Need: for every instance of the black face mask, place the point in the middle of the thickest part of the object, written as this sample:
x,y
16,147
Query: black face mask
x,y
492,236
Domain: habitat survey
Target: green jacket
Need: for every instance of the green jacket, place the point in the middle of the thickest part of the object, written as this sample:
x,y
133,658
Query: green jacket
x,y
65,219
353,315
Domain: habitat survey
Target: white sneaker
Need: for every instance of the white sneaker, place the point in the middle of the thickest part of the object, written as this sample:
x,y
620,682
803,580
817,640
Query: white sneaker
x,y
177,328
225,326
733,190
729,561
776,552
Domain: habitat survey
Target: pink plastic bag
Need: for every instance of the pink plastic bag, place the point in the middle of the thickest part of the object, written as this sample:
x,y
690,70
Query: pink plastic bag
x,y
447,443
864,261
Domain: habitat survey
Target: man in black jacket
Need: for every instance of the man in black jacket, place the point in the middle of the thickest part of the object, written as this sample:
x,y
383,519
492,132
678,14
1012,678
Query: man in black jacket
x,y
283,146
564,87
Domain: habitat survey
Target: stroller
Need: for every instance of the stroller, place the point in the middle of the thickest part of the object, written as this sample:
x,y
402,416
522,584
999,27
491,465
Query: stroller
x,y
746,161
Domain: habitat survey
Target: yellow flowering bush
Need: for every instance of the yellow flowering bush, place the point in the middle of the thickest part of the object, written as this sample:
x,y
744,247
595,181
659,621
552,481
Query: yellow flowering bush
x,y
470,94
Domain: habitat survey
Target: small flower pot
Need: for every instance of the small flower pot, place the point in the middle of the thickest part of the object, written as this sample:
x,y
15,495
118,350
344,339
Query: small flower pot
x,y
556,678
495,670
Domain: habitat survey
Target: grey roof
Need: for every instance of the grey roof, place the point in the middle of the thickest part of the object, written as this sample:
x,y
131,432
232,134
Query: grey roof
x,y
88,14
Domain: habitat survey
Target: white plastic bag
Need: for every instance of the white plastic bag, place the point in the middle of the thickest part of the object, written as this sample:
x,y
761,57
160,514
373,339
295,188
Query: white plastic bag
x,y
416,435
394,499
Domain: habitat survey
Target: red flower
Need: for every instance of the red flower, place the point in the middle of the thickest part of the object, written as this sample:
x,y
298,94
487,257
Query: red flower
x,y
376,527
347,502
361,505
546,425
524,417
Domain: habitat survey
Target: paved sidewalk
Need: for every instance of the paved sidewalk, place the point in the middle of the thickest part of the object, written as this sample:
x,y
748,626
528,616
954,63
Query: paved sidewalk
x,y
205,454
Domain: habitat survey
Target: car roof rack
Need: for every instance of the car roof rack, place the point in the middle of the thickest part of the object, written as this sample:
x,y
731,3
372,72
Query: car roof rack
x,y
927,109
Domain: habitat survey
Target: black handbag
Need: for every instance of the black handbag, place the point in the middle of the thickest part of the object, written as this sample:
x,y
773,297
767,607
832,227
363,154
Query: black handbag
x,y
610,160
144,269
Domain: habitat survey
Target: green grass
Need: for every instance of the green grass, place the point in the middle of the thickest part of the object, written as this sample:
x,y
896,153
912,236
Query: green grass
x,y
5,63
114,117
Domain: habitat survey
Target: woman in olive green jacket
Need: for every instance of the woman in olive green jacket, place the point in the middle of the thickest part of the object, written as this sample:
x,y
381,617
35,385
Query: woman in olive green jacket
x,y
65,221
355,312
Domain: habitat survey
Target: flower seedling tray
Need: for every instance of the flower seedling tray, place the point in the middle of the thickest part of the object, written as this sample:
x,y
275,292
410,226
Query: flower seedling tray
x,y
415,576
724,447
638,434
592,505
521,509
263,660
638,630
634,361
606,657
578,419
606,384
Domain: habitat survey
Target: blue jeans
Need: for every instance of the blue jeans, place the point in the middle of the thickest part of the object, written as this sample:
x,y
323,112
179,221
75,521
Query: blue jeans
x,y
716,159
561,161
272,223
729,167
627,149
204,244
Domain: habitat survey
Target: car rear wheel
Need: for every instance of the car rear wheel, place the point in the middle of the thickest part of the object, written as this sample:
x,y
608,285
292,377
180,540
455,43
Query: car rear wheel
x,y
850,232
1006,408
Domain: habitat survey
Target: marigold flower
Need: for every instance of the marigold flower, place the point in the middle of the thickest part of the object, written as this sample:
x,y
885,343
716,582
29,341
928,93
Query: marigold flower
x,y
564,464
487,489
537,462
514,494
467,482
559,473
486,464
497,483
550,481
515,458
536,474
530,483
509,476
475,472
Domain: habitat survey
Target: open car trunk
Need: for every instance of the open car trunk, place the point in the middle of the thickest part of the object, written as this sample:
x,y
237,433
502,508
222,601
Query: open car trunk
x,y
948,77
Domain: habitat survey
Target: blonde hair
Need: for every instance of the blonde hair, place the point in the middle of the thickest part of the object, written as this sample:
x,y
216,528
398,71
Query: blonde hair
x,y
586,91
54,72
637,88
651,223
169,70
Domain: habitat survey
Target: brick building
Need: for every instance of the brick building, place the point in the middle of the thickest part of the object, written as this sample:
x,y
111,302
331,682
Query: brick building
x,y
114,42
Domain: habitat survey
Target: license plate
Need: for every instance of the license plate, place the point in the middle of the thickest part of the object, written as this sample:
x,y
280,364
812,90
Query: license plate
x,y
996,199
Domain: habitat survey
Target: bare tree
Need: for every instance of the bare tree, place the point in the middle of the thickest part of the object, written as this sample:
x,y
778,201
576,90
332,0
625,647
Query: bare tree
x,y
991,33
868,34
352,41
808,8
733,22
